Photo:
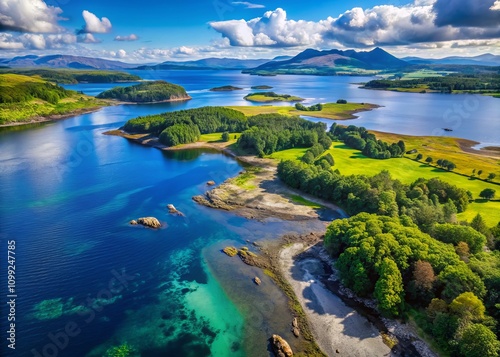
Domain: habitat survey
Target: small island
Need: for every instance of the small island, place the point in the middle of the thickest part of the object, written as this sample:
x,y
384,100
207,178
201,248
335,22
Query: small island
x,y
225,89
147,92
268,97
262,87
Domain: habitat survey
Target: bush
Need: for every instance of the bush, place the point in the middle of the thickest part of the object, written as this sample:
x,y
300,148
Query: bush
x,y
341,101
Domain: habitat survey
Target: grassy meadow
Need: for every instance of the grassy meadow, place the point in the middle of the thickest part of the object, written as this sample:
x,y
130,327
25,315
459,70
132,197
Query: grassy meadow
x,y
351,162
329,111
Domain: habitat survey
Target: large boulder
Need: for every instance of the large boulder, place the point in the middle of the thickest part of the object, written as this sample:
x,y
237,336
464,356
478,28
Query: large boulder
x,y
281,348
150,222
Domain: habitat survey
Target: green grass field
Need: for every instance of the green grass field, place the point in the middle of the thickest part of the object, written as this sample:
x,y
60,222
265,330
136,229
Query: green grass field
x,y
301,200
351,162
329,111
217,137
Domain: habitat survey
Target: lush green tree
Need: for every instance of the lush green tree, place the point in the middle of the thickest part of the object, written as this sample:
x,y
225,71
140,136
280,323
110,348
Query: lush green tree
x,y
478,341
389,290
225,136
491,176
480,172
479,224
179,134
419,157
487,193
428,160
468,306
341,101
453,233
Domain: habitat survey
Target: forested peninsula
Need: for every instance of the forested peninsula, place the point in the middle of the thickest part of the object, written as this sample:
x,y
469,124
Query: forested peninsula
x,y
403,245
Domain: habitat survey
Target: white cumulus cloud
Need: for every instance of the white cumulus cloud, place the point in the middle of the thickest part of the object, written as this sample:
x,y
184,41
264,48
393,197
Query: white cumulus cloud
x,y
272,29
94,25
29,16
131,37
88,38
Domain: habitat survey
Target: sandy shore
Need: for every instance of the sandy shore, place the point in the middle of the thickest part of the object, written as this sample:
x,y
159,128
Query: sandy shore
x,y
337,328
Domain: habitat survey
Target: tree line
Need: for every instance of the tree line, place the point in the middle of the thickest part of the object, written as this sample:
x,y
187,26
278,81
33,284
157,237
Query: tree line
x,y
27,91
360,139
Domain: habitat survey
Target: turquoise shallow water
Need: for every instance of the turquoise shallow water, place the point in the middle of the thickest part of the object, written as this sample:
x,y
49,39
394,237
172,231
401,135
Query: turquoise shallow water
x,y
68,192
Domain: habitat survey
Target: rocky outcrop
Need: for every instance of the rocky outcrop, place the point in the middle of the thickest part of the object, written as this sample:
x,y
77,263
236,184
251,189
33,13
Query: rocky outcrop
x,y
210,199
173,210
211,183
281,348
257,281
133,222
231,251
150,222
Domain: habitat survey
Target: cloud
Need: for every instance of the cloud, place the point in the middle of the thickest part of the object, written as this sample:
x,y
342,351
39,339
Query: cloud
x,y
88,38
248,5
9,42
467,13
131,37
272,29
29,16
29,41
422,21
495,6
94,25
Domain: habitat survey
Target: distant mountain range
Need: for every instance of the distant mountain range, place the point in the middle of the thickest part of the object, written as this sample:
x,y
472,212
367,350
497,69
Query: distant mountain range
x,y
482,60
310,61
331,62
213,63
65,61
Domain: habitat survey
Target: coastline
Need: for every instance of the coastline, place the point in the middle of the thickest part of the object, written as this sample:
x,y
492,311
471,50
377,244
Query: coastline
x,y
54,117
326,322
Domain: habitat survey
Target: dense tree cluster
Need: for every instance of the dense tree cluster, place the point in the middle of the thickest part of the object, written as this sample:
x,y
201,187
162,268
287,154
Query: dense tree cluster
x,y
146,92
180,134
403,268
268,133
424,201
25,91
313,108
359,138
208,120
447,84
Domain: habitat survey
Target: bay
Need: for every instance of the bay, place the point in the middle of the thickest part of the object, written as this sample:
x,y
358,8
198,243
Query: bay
x,y
68,192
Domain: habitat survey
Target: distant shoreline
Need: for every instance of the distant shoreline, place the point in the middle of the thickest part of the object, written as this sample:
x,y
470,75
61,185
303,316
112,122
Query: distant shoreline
x,y
53,117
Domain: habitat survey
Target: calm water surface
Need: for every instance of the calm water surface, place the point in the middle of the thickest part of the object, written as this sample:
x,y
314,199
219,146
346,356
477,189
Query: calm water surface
x,y
68,192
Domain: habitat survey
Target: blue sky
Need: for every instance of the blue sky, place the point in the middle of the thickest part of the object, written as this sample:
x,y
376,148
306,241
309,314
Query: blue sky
x,y
155,30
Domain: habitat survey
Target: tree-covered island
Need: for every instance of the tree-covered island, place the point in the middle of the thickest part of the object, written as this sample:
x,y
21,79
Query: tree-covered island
x,y
147,92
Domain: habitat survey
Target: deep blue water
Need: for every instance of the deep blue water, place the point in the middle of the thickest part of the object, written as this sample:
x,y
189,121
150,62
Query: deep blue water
x,y
67,193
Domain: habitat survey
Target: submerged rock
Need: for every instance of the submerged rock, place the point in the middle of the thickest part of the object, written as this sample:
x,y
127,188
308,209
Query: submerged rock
x,y
150,222
281,348
295,322
231,251
257,281
133,222
211,183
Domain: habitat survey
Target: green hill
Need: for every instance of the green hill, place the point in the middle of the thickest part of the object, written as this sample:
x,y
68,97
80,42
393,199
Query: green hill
x,y
148,92
26,99
71,76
